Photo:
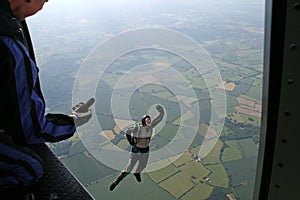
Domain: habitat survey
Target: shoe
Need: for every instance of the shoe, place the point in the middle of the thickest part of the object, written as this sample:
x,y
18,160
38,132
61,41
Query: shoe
x,y
53,196
29,196
112,186
137,177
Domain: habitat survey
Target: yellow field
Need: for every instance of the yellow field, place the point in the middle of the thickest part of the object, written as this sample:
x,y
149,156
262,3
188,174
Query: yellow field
x,y
108,134
194,169
163,173
214,156
186,157
200,191
177,185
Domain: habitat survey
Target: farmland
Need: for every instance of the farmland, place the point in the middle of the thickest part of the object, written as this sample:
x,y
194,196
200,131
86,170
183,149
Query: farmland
x,y
183,177
232,36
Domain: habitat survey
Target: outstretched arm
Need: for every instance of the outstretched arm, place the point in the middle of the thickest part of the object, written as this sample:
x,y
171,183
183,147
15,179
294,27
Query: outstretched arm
x,y
159,117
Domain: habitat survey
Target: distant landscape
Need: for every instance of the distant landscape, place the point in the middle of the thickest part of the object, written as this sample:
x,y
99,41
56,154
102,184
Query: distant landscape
x,y
232,34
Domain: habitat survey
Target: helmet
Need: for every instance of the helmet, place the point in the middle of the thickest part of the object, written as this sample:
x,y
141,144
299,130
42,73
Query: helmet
x,y
144,119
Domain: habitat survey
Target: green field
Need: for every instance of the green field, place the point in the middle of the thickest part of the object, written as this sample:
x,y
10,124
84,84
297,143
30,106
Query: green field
x,y
248,147
214,156
129,188
231,152
255,93
245,190
218,176
93,169
241,170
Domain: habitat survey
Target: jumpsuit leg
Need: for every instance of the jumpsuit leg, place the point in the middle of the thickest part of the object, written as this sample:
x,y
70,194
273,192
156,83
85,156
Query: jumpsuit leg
x,y
20,167
143,160
134,157
132,161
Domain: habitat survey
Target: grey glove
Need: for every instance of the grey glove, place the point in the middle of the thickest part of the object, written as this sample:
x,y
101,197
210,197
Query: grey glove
x,y
159,108
82,112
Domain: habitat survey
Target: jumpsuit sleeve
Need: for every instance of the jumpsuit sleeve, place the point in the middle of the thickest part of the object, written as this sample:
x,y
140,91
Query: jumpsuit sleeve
x,y
25,118
158,118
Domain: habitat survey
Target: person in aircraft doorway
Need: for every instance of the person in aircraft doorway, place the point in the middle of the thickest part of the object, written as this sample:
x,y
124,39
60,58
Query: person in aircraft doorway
x,y
139,137
24,122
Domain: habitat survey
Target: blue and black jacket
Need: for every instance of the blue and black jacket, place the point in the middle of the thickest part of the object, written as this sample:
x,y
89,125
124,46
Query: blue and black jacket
x,y
22,105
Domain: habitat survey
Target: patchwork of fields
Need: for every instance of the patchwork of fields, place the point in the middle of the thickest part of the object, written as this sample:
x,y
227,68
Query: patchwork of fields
x,y
188,176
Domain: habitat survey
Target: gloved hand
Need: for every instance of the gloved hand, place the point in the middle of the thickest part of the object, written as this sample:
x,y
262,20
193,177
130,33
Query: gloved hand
x,y
82,112
159,108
